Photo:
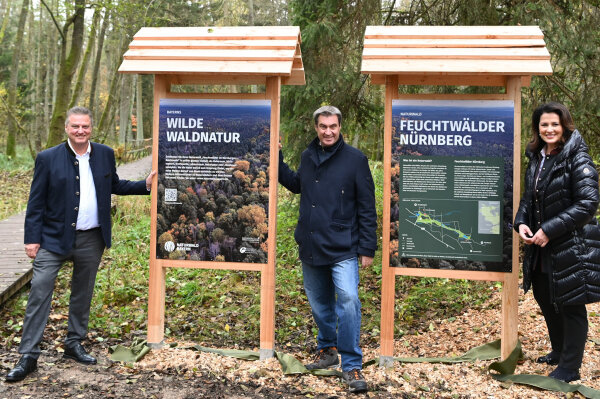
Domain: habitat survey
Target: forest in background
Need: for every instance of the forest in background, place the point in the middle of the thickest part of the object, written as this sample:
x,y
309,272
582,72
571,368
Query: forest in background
x,y
55,54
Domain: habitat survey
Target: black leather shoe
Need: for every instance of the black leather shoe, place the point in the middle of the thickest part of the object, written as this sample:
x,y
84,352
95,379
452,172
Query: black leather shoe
x,y
551,358
77,353
24,366
564,374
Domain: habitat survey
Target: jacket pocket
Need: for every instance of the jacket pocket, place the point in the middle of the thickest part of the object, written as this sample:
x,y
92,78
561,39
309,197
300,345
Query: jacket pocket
x,y
298,232
341,234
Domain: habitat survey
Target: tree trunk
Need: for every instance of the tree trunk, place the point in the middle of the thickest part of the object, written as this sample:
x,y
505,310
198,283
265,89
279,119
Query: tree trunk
x,y
251,12
124,108
86,57
50,72
132,84
38,109
139,111
5,19
11,139
92,99
104,122
55,57
67,69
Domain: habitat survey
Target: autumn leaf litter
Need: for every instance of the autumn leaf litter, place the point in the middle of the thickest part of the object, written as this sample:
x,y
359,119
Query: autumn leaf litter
x,y
443,338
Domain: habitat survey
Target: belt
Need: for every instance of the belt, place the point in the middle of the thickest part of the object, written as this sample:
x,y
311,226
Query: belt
x,y
88,230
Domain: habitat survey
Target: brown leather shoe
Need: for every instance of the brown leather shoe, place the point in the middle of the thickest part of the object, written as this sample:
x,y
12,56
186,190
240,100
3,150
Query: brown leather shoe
x,y
25,366
77,353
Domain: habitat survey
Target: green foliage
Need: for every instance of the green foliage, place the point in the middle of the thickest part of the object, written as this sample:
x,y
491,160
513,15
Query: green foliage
x,y
332,39
15,179
332,33
287,218
223,307
121,291
20,163
377,172
419,300
572,37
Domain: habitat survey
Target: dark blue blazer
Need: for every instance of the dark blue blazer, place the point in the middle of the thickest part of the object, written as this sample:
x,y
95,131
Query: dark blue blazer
x,y
53,204
337,218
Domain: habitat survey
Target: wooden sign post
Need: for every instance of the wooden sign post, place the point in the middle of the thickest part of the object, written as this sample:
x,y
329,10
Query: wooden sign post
x,y
202,151
447,205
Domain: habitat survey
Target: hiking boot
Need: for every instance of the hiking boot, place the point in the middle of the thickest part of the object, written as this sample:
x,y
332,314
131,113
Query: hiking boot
x,y
355,380
325,358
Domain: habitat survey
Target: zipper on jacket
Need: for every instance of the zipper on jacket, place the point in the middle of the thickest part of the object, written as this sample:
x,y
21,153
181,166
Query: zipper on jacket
x,y
342,202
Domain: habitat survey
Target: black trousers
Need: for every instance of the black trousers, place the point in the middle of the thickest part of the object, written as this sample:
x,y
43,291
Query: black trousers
x,y
567,328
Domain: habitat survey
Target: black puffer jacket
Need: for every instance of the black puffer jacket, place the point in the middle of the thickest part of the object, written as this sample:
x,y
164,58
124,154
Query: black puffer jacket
x,y
568,200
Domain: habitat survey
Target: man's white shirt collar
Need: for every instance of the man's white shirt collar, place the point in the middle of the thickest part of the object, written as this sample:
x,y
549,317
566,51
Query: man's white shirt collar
x,y
87,152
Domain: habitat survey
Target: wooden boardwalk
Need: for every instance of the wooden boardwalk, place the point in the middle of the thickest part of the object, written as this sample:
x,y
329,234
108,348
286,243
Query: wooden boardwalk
x,y
15,266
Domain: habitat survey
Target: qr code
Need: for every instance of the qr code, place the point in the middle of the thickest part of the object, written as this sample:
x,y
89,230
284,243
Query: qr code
x,y
170,194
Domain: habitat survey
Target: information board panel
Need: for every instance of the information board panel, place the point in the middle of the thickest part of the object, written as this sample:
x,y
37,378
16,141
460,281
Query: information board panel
x,y
213,192
451,188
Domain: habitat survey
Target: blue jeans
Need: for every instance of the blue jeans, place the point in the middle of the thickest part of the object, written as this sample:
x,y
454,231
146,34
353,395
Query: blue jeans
x,y
322,284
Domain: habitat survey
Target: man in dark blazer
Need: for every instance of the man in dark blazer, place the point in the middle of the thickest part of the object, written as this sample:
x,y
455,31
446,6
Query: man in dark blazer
x,y
68,218
336,227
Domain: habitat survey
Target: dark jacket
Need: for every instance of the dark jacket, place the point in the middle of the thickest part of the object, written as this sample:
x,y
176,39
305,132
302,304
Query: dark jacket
x,y
566,197
337,204
54,196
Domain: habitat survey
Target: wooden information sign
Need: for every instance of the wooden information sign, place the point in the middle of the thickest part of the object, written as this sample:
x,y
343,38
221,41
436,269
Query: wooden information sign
x,y
214,200
452,162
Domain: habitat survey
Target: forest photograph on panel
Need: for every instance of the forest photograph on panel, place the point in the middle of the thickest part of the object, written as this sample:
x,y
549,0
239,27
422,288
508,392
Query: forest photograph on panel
x,y
213,192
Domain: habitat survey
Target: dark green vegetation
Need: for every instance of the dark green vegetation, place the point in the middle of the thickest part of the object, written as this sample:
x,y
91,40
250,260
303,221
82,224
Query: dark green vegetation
x,y
332,35
15,178
51,58
222,308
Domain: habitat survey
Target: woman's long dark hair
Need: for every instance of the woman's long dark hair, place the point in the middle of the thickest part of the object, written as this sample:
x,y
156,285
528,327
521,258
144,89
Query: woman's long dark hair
x,y
566,122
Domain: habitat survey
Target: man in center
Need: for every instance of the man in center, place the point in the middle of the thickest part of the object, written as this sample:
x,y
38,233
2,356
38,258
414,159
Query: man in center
x,y
336,227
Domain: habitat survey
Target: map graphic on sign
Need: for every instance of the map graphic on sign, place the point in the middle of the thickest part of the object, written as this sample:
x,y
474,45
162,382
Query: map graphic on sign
x,y
489,217
450,230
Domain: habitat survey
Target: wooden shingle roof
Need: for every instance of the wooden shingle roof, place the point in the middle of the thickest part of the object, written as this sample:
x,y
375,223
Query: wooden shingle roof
x,y
211,51
454,54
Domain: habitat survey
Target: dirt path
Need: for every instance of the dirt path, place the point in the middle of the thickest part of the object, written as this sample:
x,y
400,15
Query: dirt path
x,y
181,373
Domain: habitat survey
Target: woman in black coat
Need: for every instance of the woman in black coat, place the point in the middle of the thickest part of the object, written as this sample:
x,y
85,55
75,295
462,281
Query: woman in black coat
x,y
556,219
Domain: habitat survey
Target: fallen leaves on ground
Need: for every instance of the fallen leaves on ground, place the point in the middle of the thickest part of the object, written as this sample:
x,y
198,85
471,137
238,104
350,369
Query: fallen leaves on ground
x,y
176,372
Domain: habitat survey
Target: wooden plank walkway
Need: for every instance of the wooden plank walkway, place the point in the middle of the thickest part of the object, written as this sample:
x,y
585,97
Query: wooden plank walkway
x,y
15,266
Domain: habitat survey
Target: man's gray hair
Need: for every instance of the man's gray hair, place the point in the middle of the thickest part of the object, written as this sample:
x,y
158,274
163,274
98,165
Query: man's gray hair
x,y
327,110
79,111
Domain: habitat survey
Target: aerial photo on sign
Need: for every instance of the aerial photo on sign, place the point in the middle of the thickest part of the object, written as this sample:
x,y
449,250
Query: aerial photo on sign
x,y
451,191
213,193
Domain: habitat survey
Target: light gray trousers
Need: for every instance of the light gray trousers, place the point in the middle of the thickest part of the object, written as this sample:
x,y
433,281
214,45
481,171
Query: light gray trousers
x,y
86,256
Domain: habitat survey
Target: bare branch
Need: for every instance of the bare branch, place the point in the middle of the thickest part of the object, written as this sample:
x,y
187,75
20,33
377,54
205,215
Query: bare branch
x,y
562,87
55,21
389,14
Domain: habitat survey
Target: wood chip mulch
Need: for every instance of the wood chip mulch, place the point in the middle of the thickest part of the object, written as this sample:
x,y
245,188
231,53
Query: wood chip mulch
x,y
444,338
